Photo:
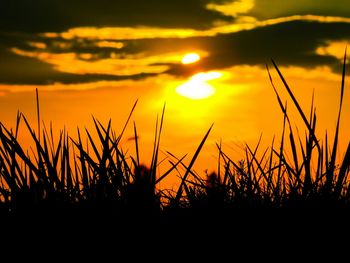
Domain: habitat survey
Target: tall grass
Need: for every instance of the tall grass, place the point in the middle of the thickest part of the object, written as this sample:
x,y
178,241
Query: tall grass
x,y
71,174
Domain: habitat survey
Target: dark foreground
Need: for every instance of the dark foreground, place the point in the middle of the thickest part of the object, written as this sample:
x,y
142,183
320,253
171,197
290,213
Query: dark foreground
x,y
88,193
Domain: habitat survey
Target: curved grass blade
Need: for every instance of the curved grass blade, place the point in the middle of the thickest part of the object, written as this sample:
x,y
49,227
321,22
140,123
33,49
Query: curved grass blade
x,y
194,158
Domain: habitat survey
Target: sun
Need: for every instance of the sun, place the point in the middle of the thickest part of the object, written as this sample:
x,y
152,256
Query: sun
x,y
196,90
190,58
198,87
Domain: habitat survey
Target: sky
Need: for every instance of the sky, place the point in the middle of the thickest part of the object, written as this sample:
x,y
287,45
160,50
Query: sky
x,y
98,57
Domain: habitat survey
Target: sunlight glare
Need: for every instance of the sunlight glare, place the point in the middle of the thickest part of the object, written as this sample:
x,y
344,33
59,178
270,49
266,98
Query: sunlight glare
x,y
206,76
190,58
198,87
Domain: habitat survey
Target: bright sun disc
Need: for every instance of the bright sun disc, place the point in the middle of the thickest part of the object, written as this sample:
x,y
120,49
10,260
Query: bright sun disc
x,y
197,87
190,58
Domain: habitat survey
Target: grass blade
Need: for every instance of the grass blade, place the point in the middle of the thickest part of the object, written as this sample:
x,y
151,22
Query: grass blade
x,y
194,158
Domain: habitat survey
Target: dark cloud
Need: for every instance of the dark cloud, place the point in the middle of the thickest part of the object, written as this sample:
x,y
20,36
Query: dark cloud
x,y
59,15
289,43
265,9
15,69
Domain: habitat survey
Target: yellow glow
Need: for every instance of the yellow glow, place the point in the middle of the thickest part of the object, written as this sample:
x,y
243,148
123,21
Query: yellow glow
x,y
243,99
196,90
197,87
123,66
233,8
206,76
116,33
110,44
333,48
85,56
190,58
38,45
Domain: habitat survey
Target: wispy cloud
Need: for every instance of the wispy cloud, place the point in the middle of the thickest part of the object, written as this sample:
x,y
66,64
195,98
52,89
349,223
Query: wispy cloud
x,y
232,8
85,42
85,63
89,55
55,16
267,9
135,33
334,49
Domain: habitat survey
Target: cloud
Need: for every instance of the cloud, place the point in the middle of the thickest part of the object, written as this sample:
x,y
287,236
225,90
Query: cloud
x,y
301,41
18,69
136,33
293,43
266,9
232,8
121,65
60,15
334,49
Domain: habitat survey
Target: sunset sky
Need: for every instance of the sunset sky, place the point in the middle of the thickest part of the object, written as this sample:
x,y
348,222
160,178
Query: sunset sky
x,y
204,58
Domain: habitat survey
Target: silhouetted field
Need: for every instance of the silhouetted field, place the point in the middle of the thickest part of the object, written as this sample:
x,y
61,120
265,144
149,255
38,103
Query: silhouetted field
x,y
94,184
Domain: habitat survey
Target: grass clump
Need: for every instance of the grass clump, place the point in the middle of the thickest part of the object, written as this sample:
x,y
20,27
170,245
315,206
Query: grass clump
x,y
71,176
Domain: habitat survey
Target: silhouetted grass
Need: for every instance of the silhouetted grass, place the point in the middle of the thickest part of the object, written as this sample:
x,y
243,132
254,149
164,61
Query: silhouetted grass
x,y
74,176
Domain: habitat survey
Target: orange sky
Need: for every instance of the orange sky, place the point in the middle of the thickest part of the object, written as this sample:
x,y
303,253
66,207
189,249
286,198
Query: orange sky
x,y
83,69
243,107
